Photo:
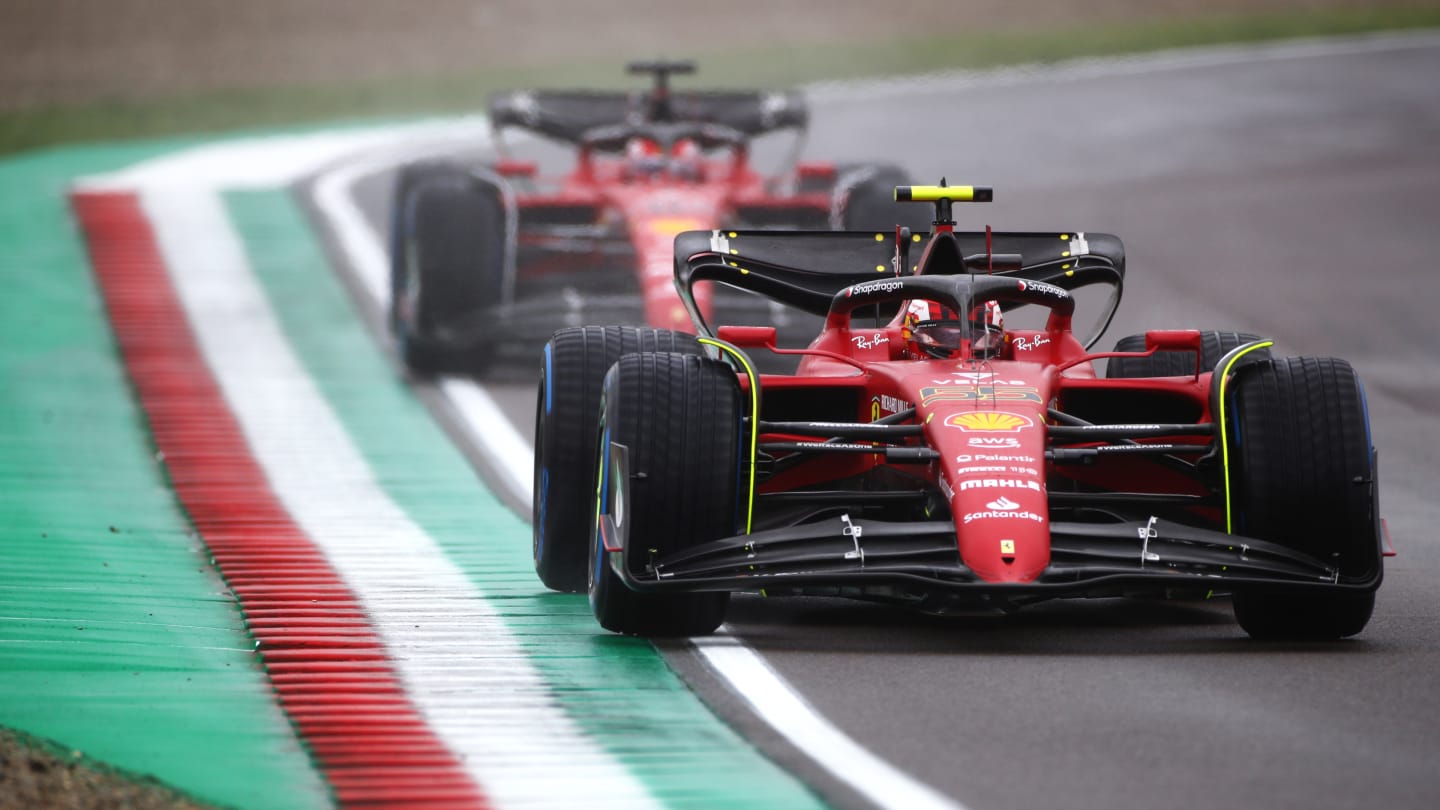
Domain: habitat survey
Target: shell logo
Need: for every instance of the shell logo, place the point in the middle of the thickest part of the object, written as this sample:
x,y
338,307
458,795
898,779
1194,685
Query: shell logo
x,y
990,421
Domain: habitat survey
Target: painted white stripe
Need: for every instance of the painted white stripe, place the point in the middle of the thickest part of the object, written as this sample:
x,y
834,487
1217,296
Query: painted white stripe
x,y
775,702
466,673
275,160
490,431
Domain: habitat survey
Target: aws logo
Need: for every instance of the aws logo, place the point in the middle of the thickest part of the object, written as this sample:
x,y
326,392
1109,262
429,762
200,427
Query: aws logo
x,y
989,421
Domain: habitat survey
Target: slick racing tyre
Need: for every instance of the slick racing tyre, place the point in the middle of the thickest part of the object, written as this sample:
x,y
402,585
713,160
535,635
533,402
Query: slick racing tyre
x,y
1213,346
865,200
449,244
1302,475
567,409
679,417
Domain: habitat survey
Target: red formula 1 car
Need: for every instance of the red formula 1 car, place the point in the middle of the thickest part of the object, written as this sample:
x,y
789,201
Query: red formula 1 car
x,y
928,453
496,257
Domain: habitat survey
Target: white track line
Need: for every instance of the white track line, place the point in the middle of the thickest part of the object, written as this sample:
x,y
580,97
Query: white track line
x,y
778,704
469,677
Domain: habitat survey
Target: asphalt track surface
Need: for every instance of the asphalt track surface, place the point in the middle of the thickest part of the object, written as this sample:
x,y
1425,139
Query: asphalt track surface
x,y
1292,192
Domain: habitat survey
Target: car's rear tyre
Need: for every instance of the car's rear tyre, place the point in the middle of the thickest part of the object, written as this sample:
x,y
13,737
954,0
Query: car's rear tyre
x,y
567,409
447,266
679,417
865,200
1302,475
1213,346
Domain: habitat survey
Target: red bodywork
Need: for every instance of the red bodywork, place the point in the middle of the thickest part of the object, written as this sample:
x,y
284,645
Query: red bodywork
x,y
634,205
921,454
988,422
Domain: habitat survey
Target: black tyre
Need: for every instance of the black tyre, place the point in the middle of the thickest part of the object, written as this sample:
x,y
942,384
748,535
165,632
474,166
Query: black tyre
x,y
865,200
567,410
1213,346
448,257
1302,475
679,416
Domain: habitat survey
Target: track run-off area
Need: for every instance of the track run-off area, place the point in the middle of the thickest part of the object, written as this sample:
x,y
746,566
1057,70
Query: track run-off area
x,y
208,450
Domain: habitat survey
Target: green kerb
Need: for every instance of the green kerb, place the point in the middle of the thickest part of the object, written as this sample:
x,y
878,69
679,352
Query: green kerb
x,y
116,637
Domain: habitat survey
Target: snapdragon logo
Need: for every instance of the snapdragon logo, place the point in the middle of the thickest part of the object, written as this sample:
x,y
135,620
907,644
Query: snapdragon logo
x,y
1044,288
871,287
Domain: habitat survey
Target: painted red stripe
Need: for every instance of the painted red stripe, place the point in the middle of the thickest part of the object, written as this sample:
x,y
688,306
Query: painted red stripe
x,y
340,690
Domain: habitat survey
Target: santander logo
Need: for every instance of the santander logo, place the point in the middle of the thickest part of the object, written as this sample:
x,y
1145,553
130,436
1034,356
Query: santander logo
x,y
1002,504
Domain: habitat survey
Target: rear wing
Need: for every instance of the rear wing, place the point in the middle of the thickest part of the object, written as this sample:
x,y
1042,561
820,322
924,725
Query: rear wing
x,y
566,115
805,269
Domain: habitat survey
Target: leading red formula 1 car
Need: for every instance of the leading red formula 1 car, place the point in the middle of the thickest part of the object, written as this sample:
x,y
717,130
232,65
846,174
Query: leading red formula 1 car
x,y
492,258
940,458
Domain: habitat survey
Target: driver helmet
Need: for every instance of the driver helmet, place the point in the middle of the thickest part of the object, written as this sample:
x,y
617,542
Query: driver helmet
x,y
643,156
687,160
934,331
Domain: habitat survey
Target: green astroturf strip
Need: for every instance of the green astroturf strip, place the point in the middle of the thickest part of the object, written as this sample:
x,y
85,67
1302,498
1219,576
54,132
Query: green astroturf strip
x,y
617,689
117,639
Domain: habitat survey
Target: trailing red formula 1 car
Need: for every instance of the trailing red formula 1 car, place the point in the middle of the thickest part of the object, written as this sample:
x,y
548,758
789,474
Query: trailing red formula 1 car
x,y
939,458
486,258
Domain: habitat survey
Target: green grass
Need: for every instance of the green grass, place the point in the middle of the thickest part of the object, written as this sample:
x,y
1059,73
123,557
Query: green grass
x,y
796,62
